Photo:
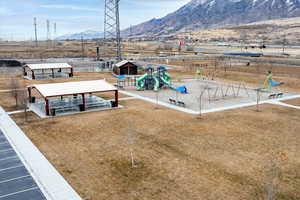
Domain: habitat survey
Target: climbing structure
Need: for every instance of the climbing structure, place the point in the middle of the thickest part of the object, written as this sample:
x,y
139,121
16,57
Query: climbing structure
x,y
156,80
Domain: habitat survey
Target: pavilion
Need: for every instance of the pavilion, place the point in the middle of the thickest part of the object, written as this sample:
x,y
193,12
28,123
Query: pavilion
x,y
47,70
71,97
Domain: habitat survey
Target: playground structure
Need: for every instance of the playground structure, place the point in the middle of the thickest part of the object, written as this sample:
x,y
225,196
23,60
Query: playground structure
x,y
156,80
223,91
211,94
268,86
270,83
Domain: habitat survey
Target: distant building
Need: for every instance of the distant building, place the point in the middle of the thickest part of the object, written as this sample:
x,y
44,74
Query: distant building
x,y
125,68
10,63
47,70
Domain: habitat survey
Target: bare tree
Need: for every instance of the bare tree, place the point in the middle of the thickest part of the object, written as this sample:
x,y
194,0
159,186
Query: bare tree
x,y
14,85
157,99
284,43
200,103
23,102
257,99
272,180
131,140
243,39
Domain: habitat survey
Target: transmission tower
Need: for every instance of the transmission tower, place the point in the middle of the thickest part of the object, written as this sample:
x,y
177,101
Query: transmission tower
x,y
35,32
112,25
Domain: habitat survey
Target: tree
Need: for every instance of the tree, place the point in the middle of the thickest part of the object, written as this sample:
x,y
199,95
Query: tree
x,y
257,99
284,43
157,99
131,139
272,180
23,102
200,104
14,85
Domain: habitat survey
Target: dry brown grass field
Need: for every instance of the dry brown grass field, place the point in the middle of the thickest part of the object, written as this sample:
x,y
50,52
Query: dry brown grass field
x,y
295,102
225,155
252,75
228,155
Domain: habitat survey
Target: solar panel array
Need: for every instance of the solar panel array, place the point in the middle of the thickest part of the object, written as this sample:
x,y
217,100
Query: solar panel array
x,y
16,183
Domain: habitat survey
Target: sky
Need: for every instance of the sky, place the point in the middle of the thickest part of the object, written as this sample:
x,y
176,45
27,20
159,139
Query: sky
x,y
74,16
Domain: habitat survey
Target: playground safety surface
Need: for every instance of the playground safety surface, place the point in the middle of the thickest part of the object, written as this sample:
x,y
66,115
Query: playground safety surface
x,y
215,94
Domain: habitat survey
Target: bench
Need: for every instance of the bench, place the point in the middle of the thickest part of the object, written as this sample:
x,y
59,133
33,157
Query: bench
x,y
272,96
97,105
181,103
279,95
172,101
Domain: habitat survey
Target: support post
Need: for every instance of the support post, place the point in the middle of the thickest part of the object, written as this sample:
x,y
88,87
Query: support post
x,y
83,101
47,107
117,98
98,51
29,94
33,76
24,71
52,73
72,72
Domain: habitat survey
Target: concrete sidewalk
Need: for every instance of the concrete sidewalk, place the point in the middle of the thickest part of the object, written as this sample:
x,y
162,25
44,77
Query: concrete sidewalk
x,y
284,104
189,111
52,184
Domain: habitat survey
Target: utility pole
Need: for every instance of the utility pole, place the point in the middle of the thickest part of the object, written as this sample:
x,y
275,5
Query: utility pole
x,y
82,47
112,25
284,41
54,35
48,34
35,32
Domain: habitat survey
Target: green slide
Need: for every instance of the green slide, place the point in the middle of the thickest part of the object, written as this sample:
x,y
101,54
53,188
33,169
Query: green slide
x,y
140,82
156,85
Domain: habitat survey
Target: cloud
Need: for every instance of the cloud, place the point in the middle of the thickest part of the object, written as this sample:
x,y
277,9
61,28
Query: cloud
x,y
71,7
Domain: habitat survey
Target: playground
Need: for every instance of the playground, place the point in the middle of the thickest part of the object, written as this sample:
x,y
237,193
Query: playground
x,y
200,94
211,94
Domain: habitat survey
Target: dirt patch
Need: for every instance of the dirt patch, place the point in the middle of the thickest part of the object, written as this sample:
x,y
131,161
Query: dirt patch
x,y
223,156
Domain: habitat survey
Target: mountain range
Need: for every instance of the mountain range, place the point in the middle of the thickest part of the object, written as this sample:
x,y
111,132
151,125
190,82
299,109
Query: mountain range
x,y
204,14
90,34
